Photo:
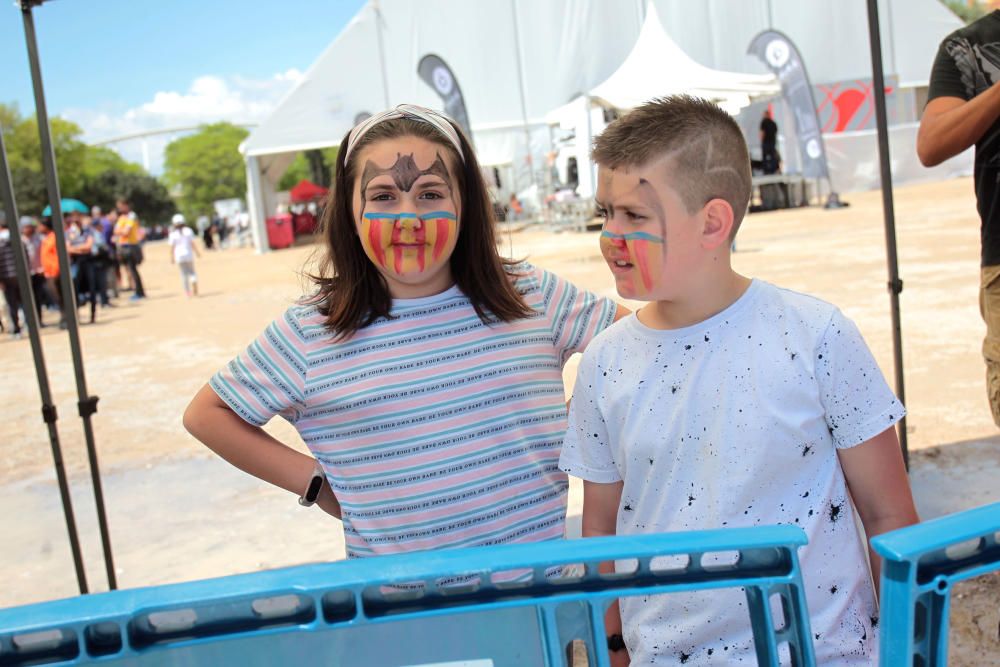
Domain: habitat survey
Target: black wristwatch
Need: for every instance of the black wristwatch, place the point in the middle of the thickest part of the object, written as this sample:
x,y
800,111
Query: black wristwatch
x,y
615,643
311,494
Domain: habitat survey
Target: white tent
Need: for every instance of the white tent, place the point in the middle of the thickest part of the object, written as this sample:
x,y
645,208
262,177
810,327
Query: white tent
x,y
517,60
514,61
656,66
831,36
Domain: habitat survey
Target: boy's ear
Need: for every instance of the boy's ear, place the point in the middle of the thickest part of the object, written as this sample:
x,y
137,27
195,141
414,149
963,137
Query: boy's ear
x,y
718,219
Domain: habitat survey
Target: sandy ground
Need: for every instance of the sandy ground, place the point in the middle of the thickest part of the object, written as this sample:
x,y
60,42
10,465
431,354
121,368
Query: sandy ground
x,y
177,514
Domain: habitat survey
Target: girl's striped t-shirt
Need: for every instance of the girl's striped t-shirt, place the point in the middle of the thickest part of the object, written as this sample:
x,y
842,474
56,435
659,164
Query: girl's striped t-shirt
x,y
434,428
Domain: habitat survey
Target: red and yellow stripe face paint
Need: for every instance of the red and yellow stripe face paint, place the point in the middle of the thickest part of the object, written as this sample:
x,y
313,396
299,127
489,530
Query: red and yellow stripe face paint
x,y
408,244
636,260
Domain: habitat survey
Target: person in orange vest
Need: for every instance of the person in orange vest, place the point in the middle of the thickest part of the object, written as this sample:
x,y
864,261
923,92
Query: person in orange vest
x,y
50,266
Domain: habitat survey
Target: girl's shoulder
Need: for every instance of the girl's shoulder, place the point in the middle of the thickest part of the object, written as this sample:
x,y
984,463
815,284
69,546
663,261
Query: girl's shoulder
x,y
305,312
526,277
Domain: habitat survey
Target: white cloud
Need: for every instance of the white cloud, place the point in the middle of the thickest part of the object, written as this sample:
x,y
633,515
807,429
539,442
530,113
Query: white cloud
x,y
208,99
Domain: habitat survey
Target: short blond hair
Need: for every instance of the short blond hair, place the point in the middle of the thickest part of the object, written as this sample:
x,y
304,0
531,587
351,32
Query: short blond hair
x,y
705,145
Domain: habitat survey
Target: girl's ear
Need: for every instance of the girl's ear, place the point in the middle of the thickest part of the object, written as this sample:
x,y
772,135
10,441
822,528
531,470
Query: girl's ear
x,y
718,224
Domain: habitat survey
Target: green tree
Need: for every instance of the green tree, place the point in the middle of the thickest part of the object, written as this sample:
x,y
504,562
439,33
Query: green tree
x,y
316,165
24,154
297,170
206,166
147,195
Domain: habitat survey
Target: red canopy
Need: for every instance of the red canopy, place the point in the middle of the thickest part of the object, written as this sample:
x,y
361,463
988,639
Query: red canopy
x,y
306,191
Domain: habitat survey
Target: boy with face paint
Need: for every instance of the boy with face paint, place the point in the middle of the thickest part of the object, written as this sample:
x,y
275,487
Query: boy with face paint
x,y
725,401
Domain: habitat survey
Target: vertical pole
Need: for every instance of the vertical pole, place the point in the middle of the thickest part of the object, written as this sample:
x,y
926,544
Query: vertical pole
x,y
255,202
381,52
49,415
524,102
895,284
86,404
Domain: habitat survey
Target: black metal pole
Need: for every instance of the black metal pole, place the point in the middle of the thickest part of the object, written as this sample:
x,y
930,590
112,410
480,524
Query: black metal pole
x,y
895,284
87,404
49,415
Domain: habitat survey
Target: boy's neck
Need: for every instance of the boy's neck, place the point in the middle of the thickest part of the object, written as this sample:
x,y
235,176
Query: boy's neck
x,y
696,307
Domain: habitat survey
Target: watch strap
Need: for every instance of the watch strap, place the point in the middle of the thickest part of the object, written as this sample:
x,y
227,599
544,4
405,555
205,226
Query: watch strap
x,y
313,488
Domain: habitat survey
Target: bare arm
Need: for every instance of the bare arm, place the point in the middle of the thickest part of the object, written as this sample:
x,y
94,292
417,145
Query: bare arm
x,y
621,311
600,514
251,449
950,124
880,488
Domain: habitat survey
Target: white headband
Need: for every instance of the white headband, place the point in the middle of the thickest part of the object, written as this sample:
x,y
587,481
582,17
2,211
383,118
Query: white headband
x,y
439,121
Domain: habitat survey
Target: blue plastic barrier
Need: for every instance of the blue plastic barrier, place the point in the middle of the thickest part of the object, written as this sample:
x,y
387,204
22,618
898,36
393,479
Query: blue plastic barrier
x,y
920,565
494,606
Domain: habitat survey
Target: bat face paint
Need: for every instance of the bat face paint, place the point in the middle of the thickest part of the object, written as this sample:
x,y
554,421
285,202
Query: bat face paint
x,y
408,215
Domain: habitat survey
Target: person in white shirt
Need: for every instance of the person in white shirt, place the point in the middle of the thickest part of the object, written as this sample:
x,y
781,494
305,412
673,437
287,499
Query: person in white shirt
x,y
184,251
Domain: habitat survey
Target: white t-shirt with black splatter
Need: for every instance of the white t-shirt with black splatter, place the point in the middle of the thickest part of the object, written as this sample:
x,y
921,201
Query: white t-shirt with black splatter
x,y
733,422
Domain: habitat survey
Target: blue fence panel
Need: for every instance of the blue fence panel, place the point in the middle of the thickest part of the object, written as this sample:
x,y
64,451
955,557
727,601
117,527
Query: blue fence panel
x,y
516,605
920,564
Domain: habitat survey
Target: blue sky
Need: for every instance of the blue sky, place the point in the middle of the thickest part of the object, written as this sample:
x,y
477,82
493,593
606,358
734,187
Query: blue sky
x,y
121,66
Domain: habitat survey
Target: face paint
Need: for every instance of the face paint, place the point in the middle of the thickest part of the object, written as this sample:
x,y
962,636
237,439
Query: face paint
x,y
408,208
404,174
407,243
640,252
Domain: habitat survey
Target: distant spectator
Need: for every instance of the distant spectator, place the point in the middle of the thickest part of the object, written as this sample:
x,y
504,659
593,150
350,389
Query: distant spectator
x,y
770,158
205,230
8,278
116,259
105,255
128,236
50,266
515,208
81,239
33,248
183,252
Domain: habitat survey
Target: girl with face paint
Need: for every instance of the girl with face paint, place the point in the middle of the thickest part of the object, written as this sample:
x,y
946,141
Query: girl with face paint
x,y
425,372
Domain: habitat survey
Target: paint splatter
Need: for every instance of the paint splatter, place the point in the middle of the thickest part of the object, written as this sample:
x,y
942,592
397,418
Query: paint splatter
x,y
793,356
687,347
673,389
690,500
835,512
684,657
627,508
833,589
805,450
874,620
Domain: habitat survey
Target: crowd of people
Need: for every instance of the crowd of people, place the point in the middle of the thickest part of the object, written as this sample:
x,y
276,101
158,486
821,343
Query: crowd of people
x,y
105,252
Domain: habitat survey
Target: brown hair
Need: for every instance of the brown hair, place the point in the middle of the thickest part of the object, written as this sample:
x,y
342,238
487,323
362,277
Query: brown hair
x,y
708,152
351,292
